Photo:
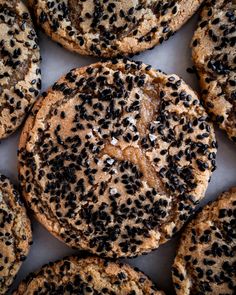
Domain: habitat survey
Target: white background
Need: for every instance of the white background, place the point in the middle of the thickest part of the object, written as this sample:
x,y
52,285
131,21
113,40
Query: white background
x,y
174,56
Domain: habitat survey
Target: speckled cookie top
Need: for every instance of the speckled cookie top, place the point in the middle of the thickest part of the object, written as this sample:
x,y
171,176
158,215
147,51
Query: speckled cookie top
x,y
15,234
206,258
19,65
87,276
214,55
107,28
115,157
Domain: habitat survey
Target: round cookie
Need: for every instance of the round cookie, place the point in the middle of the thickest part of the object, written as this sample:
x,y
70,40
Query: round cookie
x,y
206,258
115,157
19,65
214,55
15,234
109,28
87,276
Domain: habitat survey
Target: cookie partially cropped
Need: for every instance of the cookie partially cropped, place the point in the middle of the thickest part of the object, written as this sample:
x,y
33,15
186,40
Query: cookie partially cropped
x,y
214,55
109,28
115,157
19,65
15,234
206,259
87,276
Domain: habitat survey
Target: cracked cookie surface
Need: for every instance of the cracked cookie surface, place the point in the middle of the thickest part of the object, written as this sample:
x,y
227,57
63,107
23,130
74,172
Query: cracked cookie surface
x,y
206,259
19,65
87,276
15,234
108,28
214,55
115,157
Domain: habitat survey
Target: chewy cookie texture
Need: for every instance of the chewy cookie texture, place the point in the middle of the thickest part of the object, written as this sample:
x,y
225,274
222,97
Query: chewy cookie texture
x,y
109,28
115,156
214,55
87,276
19,65
15,234
206,259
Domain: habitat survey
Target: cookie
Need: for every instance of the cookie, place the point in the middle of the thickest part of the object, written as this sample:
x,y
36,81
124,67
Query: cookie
x,y
15,234
115,157
87,276
206,259
109,28
19,65
214,56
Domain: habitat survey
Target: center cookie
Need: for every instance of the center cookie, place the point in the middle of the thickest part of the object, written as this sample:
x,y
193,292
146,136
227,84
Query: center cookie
x,y
107,28
115,157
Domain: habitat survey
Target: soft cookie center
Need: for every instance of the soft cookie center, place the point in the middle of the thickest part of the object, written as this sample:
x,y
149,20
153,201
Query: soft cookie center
x,y
119,17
